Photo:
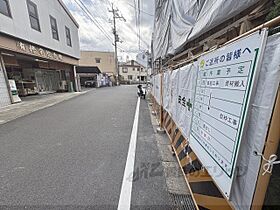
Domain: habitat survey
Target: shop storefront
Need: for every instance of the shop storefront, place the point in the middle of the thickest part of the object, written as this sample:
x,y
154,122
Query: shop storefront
x,y
35,76
35,70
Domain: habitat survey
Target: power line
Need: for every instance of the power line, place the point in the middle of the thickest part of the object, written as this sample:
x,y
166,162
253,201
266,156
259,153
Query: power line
x,y
90,16
140,10
96,23
93,17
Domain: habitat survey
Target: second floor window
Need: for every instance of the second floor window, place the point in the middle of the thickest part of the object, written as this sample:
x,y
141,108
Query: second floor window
x,y
68,36
124,70
97,60
5,8
33,15
54,28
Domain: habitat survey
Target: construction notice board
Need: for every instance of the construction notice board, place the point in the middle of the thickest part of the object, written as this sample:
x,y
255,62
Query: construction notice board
x,y
225,83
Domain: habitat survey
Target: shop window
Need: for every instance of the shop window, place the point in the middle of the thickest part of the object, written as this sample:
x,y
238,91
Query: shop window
x,y
68,37
97,60
54,28
33,15
5,8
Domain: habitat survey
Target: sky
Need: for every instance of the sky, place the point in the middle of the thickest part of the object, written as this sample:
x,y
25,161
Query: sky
x,y
92,38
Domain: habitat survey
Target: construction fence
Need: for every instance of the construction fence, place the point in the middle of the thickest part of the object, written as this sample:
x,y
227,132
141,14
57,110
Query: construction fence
x,y
218,111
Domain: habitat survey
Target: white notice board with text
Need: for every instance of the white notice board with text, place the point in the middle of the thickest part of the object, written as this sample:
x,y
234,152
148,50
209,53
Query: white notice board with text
x,y
225,83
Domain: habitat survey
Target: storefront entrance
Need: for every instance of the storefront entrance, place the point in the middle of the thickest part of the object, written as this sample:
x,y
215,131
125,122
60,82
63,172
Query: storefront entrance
x,y
47,81
34,76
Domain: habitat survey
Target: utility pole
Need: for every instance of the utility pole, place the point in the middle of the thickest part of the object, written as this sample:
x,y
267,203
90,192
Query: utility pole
x,y
116,37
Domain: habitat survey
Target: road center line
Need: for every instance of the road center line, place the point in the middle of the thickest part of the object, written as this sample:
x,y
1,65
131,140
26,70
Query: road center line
x,y
125,196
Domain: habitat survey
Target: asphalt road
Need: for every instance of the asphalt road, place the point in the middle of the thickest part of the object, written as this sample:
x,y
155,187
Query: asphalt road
x,y
73,155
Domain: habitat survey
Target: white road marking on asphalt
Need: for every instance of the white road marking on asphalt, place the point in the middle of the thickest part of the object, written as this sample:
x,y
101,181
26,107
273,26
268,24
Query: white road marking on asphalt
x,y
125,196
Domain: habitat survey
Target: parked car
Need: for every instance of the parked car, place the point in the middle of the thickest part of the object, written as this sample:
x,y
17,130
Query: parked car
x,y
90,83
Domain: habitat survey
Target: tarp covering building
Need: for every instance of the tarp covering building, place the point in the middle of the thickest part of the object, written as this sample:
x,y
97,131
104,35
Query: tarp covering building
x,y
178,22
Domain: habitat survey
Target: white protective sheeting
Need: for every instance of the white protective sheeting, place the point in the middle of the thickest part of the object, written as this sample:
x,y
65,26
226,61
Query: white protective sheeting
x,y
260,115
177,22
174,79
185,97
166,91
156,87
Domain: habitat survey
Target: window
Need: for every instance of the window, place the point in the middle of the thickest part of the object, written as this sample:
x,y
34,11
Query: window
x,y
54,28
129,77
143,78
33,15
141,69
68,36
97,60
5,8
138,69
133,69
124,70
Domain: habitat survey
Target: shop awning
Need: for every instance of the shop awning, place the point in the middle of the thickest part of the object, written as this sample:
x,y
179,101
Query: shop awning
x,y
88,69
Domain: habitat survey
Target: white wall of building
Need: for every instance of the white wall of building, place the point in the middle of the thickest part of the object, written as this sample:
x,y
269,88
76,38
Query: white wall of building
x,y
19,26
131,71
4,95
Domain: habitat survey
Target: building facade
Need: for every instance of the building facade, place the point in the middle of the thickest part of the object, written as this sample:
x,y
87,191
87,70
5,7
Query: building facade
x,y
39,47
133,72
103,60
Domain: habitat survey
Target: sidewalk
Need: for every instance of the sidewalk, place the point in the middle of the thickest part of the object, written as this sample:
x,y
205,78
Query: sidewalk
x,y
180,194
34,103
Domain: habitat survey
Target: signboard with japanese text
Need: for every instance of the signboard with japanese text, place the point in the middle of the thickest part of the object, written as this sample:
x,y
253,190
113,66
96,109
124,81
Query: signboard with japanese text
x,y
38,51
225,82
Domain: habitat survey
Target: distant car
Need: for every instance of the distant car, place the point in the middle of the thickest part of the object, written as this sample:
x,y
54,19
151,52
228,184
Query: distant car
x,y
90,83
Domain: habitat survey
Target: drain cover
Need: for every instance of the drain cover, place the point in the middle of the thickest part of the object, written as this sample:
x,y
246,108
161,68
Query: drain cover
x,y
182,202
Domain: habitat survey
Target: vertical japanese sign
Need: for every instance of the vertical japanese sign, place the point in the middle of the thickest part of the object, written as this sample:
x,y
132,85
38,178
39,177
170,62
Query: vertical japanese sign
x,y
224,85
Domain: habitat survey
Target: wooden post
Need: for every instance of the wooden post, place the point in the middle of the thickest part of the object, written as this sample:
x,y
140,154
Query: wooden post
x,y
271,147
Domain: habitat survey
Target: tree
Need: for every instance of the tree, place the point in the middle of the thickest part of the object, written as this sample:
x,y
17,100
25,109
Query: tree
x,y
275,10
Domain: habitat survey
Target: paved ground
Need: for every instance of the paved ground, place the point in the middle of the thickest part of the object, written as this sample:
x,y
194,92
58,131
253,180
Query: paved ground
x,y
33,103
74,153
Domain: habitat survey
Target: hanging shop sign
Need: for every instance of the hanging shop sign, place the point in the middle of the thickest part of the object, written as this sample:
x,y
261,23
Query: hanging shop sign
x,y
225,83
38,51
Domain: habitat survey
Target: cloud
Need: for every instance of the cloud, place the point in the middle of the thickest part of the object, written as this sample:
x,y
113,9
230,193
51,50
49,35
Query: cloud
x,y
91,37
